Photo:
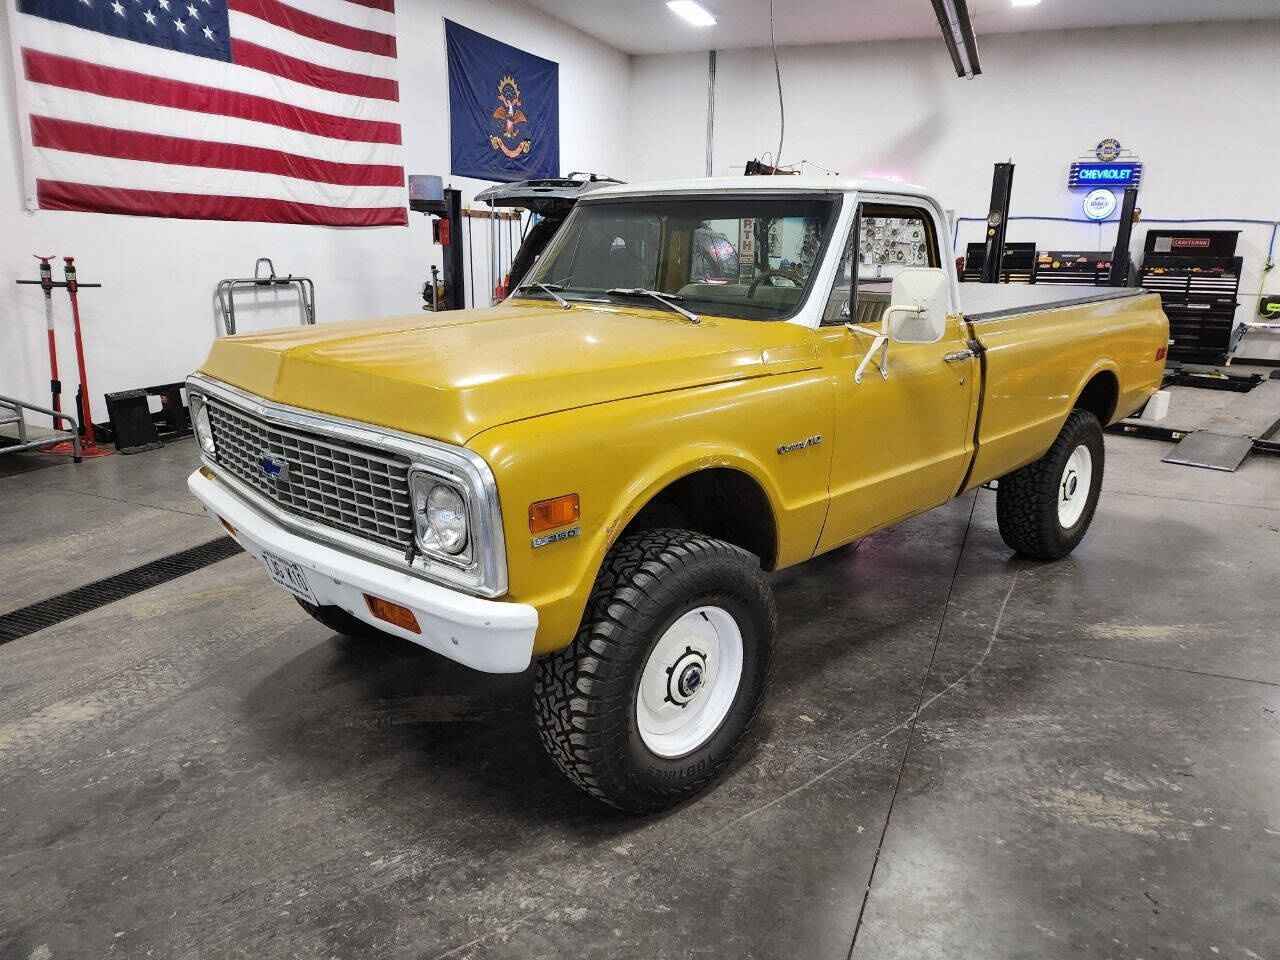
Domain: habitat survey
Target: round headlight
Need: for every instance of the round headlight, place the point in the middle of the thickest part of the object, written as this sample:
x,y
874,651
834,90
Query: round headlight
x,y
446,515
204,433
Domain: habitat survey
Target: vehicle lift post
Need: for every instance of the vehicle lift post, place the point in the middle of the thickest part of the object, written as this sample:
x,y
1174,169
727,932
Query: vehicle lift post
x,y
1129,213
997,220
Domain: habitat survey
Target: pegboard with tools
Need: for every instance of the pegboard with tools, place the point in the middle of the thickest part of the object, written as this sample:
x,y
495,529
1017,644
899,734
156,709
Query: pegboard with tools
x,y
892,242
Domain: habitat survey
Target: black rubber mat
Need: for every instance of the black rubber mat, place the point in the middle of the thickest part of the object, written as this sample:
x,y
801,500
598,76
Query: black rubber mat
x,y
45,613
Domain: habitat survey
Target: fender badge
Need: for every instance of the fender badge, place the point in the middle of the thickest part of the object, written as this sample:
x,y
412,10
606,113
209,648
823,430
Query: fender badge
x,y
556,537
799,444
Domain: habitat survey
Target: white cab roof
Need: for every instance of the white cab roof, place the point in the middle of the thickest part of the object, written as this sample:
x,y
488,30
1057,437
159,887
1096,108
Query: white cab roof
x,y
783,184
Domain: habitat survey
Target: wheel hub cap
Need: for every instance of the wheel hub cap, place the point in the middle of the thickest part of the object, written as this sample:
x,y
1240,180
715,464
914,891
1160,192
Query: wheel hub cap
x,y
689,681
688,678
1073,490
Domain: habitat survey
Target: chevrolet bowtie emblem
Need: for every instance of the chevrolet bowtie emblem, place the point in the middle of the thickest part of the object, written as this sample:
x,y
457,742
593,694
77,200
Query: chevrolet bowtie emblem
x,y
273,468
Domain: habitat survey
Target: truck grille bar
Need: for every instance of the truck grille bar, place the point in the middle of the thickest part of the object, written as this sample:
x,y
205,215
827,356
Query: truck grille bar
x,y
342,485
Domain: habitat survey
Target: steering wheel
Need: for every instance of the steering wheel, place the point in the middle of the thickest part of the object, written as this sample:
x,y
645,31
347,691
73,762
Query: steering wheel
x,y
769,275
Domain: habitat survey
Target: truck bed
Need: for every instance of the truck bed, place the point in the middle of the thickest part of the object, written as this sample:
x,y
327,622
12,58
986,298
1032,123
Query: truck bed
x,y
990,301
1042,348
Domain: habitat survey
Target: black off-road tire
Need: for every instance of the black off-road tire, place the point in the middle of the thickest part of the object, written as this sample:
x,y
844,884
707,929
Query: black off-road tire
x,y
339,621
585,695
1027,499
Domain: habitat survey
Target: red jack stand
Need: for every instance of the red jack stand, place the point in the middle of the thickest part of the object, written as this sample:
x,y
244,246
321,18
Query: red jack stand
x,y
88,447
46,284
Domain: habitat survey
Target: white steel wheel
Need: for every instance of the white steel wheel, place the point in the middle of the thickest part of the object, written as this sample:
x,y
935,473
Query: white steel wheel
x,y
1074,486
689,681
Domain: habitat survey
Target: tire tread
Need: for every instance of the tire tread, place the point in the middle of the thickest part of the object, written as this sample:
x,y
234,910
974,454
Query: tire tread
x,y
582,694
1026,499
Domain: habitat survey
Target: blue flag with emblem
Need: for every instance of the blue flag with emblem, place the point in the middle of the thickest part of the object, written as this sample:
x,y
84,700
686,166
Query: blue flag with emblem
x,y
504,109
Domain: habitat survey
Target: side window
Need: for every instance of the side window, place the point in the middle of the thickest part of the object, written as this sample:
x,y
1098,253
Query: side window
x,y
888,239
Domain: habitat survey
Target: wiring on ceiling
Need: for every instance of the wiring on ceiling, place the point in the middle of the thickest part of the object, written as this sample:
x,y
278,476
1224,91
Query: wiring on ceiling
x,y
817,166
777,72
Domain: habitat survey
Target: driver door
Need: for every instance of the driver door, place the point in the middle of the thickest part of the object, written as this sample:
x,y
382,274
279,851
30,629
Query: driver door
x,y
902,444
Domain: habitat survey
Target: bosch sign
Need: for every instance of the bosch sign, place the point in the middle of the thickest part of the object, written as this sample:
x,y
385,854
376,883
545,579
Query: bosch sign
x,y
1120,173
1099,204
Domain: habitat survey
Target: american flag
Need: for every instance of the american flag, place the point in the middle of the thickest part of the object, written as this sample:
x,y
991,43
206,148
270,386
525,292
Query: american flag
x,y
212,109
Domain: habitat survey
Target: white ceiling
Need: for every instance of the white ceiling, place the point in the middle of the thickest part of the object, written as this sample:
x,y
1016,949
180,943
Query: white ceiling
x,y
647,26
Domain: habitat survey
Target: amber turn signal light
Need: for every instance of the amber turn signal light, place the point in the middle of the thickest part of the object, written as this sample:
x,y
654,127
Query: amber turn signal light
x,y
228,527
556,512
393,613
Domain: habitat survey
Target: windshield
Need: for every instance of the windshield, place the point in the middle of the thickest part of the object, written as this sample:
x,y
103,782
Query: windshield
x,y
751,257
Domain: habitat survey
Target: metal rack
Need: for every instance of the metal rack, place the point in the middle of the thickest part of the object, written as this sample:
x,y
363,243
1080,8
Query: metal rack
x,y
227,288
28,435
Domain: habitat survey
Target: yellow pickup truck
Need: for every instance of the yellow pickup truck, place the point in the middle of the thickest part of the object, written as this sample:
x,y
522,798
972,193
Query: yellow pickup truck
x,y
696,383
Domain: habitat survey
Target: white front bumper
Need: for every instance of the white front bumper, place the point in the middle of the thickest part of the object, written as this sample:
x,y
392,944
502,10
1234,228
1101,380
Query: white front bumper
x,y
488,635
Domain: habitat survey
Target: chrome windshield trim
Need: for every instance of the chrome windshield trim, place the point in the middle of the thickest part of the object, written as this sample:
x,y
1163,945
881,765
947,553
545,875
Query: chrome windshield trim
x,y
485,576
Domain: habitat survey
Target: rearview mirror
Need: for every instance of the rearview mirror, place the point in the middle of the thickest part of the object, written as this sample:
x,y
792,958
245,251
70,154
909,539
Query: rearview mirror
x,y
918,305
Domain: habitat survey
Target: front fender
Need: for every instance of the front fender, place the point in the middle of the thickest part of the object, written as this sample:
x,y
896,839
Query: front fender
x,y
618,456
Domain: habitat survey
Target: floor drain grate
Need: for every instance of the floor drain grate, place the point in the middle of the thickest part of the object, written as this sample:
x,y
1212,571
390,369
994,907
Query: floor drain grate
x,y
45,613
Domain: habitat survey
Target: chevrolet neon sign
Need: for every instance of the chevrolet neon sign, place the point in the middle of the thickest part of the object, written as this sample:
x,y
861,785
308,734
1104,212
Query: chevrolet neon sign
x,y
1119,173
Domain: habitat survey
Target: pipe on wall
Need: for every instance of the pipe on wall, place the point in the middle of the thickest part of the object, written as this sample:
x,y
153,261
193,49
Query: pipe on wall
x,y
711,107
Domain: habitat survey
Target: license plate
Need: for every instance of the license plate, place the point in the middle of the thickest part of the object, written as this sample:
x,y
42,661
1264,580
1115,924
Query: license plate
x,y
290,576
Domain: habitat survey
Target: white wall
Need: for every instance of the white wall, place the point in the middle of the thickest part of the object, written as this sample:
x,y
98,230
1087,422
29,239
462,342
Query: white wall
x,y
1197,103
153,320
1191,101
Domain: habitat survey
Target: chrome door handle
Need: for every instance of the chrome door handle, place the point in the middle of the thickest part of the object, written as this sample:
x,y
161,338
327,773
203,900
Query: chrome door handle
x,y
955,356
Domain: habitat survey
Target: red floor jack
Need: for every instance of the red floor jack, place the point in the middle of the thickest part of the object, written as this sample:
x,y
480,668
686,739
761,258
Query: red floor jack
x,y
88,447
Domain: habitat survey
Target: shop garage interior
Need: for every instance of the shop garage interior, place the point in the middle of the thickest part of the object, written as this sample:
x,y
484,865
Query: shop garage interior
x,y
983,737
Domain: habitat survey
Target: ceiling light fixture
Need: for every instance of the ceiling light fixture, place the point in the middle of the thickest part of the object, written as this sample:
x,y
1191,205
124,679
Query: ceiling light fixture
x,y
694,13
957,34
1026,3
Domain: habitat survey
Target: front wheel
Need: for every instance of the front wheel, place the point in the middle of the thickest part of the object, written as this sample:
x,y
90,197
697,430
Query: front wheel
x,y
666,673
339,621
1045,508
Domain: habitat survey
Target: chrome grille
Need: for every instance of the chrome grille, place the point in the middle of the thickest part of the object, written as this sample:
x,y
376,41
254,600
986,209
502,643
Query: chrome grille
x,y
343,485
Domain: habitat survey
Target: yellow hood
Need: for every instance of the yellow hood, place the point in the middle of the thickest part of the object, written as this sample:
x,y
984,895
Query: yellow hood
x,y
452,375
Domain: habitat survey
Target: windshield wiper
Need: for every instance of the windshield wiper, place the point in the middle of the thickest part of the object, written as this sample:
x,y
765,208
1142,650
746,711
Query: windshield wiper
x,y
662,298
549,288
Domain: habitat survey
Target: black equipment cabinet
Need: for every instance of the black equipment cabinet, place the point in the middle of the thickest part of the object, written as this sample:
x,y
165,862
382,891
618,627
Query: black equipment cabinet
x,y
1017,266
1089,268
1197,276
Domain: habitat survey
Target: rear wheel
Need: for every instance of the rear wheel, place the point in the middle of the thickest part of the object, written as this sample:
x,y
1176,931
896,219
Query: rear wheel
x,y
1045,508
666,673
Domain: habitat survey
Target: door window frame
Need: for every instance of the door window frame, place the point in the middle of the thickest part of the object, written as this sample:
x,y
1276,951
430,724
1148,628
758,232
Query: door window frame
x,y
884,205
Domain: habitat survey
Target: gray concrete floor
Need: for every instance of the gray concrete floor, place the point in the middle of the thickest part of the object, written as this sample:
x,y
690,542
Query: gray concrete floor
x,y
964,755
